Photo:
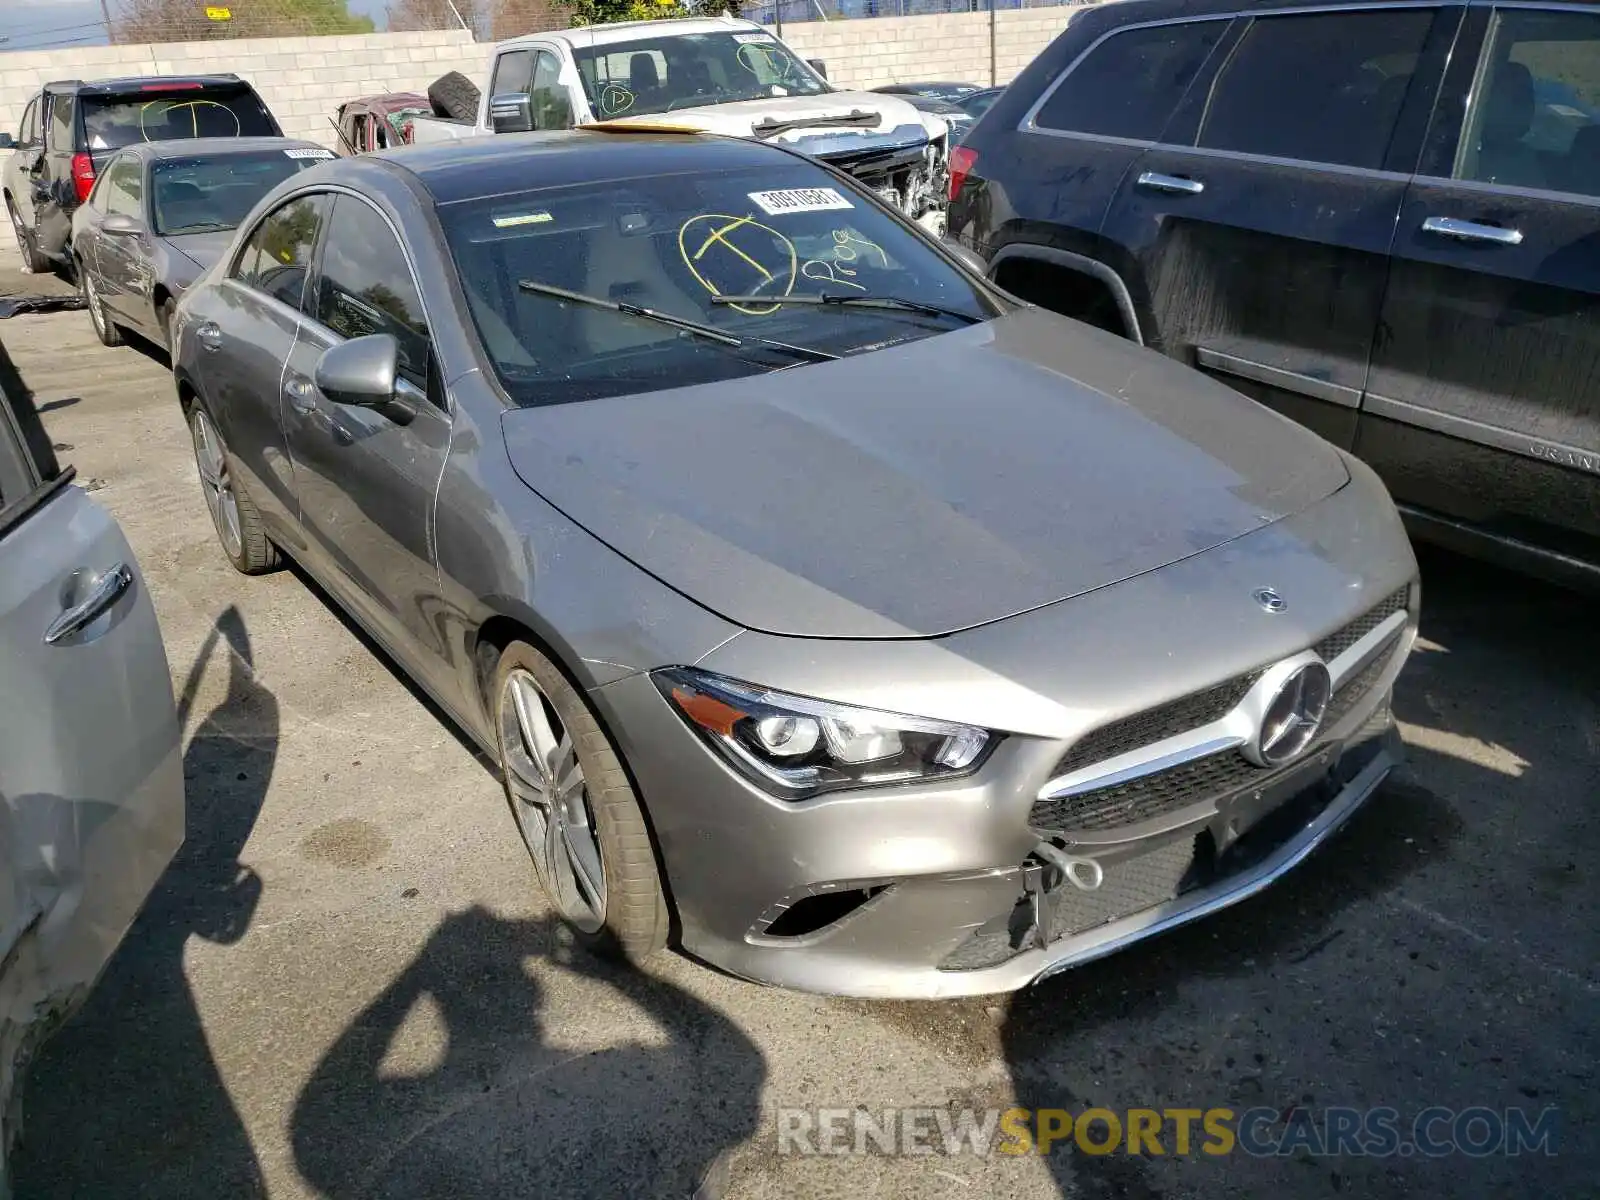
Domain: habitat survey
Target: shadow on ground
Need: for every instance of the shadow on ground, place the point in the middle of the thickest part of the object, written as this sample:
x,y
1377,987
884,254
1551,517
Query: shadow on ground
x,y
1440,951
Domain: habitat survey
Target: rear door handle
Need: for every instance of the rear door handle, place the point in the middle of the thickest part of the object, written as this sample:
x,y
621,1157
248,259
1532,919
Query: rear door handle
x,y
1178,185
1471,231
210,335
105,593
302,398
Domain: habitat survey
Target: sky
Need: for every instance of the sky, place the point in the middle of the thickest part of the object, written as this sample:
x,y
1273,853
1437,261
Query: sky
x,y
46,24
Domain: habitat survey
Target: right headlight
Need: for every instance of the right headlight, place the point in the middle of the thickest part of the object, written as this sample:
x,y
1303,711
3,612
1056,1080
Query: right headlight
x,y
797,747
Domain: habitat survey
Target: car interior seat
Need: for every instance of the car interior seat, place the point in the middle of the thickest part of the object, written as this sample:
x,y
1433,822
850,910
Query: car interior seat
x,y
644,81
1502,155
1579,171
628,267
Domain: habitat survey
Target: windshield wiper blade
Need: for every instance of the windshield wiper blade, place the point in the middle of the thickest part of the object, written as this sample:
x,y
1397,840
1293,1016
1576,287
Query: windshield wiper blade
x,y
899,302
698,329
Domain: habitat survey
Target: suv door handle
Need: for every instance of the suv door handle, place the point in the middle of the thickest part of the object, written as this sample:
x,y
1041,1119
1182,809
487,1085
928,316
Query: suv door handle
x,y
209,335
1471,231
106,593
1178,185
301,396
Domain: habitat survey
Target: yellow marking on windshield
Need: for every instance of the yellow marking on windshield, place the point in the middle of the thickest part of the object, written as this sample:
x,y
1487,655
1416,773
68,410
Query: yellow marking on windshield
x,y
785,264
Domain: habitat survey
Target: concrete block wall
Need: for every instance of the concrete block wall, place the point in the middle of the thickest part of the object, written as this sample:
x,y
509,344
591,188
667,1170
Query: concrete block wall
x,y
302,79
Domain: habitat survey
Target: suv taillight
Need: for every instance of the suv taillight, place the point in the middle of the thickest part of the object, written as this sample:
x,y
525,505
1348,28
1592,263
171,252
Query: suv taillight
x,y
83,175
962,160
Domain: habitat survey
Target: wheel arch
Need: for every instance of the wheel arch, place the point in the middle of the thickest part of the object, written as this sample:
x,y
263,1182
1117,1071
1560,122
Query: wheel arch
x,y
1078,264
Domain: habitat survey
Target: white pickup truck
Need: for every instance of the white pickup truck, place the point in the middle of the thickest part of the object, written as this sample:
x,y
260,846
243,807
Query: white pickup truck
x,y
719,75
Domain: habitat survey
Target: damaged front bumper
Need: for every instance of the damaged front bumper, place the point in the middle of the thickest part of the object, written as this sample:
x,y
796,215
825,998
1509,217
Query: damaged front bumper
x,y
905,166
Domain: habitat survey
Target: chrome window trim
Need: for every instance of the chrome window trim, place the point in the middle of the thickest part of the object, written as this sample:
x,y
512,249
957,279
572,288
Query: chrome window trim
x,y
1306,385
1548,195
1029,124
1496,437
1228,732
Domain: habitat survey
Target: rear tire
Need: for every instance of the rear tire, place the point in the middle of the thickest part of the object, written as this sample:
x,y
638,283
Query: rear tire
x,y
26,245
233,514
540,718
104,327
454,96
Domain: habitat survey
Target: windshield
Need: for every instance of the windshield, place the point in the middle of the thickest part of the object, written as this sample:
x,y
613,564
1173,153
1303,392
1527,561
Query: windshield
x,y
660,74
671,243
203,195
111,122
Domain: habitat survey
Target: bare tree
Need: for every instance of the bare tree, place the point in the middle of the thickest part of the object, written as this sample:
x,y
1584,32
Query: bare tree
x,y
511,18
438,14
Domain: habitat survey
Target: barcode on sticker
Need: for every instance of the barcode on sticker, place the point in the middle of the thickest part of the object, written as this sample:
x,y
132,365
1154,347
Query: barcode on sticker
x,y
306,152
798,200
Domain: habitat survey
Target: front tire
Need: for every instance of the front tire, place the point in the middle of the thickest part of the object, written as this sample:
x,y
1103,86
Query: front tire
x,y
576,809
105,329
233,513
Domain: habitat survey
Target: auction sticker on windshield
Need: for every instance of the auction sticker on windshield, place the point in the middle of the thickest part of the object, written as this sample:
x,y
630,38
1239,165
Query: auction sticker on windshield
x,y
308,152
799,200
750,39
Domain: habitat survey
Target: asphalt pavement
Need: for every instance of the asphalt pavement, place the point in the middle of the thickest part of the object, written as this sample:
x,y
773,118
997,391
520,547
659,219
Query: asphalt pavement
x,y
347,984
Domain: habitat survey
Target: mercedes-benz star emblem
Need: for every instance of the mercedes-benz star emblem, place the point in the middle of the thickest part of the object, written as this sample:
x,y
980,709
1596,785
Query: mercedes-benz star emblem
x,y
1270,600
1293,717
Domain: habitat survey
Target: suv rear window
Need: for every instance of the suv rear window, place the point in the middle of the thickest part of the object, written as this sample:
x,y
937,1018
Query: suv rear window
x,y
1325,87
111,122
1130,83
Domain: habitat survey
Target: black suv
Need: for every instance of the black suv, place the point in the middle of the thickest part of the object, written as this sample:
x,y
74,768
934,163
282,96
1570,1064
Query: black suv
x,y
1380,219
71,128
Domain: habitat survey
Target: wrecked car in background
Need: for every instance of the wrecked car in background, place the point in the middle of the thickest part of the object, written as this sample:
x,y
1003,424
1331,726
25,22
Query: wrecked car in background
x,y
91,774
717,76
378,122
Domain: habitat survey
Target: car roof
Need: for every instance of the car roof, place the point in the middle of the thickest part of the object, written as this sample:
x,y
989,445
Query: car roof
x,y
214,147
1127,12
472,168
585,36
140,83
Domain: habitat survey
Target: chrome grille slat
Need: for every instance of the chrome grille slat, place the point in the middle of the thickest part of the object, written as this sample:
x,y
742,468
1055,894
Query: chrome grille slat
x,y
1336,643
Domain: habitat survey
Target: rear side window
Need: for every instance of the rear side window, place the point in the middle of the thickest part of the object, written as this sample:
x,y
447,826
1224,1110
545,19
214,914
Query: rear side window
x,y
365,286
61,123
1325,87
277,257
1130,83
1535,120
110,122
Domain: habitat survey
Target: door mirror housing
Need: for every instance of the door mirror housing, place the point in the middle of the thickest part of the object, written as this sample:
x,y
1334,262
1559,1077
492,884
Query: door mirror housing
x,y
360,372
7,142
818,65
511,112
122,225
966,256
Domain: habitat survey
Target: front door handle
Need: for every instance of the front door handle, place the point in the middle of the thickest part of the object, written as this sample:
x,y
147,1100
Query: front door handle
x,y
105,593
1178,185
302,397
210,335
1472,231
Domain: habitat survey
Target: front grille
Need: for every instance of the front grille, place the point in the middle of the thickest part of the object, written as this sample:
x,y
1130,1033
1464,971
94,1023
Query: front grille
x,y
1211,778
1153,724
1336,643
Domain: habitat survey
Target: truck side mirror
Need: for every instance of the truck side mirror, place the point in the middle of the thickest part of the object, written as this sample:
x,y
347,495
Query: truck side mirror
x,y
511,112
817,65
7,142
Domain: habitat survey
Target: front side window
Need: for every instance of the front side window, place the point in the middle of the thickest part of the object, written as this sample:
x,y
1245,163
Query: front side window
x,y
209,194
661,74
673,242
1324,87
365,286
1535,119
28,131
277,257
548,101
124,191
1129,85
513,73
111,122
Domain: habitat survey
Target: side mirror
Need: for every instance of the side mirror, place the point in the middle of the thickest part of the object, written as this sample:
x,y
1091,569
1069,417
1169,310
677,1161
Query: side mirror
x,y
122,225
511,112
361,371
7,142
817,65
966,256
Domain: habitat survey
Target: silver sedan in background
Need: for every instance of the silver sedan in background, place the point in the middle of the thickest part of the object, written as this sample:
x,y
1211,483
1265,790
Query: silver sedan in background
x,y
161,213
867,630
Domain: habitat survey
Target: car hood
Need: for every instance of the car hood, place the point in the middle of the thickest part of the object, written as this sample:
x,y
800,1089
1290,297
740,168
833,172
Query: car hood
x,y
925,488
745,118
202,249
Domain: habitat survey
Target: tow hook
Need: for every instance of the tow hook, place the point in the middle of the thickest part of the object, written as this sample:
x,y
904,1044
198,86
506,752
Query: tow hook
x,y
1085,874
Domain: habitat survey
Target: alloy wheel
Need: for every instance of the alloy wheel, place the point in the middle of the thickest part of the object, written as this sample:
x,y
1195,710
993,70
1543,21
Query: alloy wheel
x,y
551,801
91,300
212,460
